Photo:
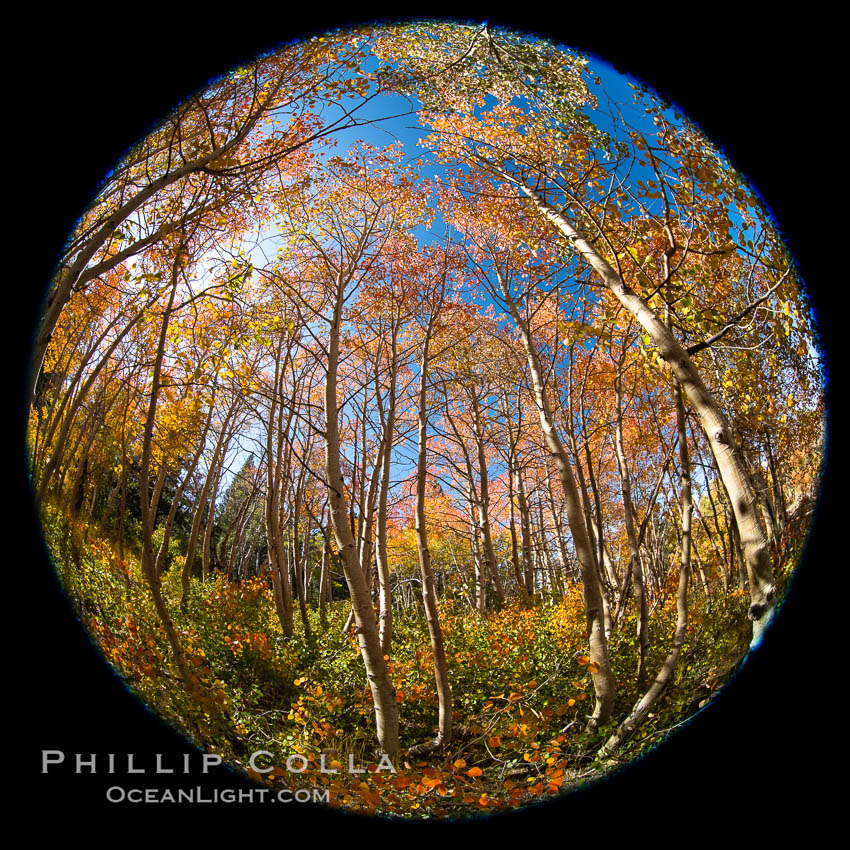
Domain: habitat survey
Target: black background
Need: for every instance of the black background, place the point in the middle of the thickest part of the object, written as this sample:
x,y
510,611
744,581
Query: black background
x,y
84,87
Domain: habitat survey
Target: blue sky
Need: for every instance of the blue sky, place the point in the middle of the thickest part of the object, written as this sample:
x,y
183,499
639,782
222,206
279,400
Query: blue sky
x,y
403,127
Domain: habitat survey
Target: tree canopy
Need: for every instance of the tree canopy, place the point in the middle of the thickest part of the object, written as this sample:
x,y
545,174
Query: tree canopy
x,y
533,387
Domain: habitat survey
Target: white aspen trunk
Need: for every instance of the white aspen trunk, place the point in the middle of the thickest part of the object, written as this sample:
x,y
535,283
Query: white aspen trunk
x,y
383,693
189,561
281,585
56,454
525,534
385,601
484,508
711,418
148,559
429,597
603,678
631,533
518,570
172,513
78,271
666,672
324,581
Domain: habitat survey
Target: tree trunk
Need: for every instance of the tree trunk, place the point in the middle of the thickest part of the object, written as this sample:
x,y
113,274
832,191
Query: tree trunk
x,y
202,506
172,513
484,508
603,678
665,674
383,693
148,560
324,581
525,532
429,597
711,418
385,601
631,533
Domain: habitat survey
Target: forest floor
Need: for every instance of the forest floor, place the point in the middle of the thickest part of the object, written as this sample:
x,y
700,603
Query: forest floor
x,y
520,682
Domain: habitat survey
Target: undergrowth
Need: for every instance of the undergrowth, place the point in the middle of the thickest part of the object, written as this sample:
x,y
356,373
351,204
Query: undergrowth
x,y
520,681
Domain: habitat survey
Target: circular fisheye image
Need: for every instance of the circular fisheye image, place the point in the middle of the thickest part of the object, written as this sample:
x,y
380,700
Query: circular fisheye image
x,y
426,419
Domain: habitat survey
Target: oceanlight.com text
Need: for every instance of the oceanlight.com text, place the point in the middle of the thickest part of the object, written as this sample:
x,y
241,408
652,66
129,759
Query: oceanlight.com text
x,y
118,794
